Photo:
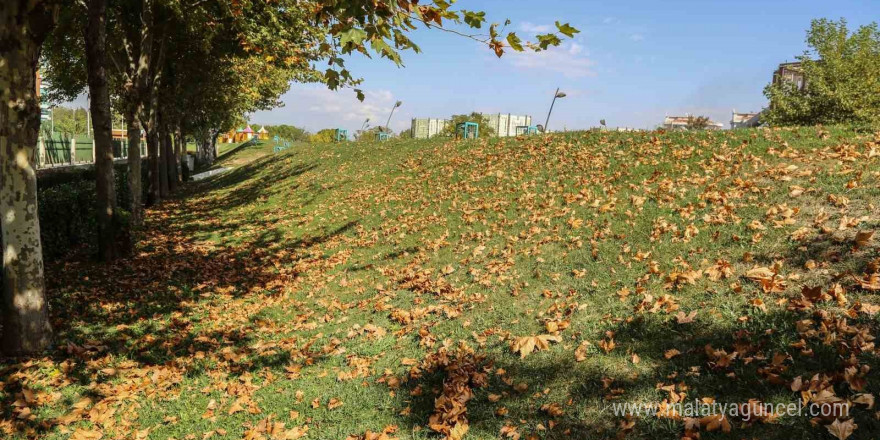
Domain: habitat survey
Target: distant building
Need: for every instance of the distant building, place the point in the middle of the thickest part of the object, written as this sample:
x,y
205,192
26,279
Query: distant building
x,y
503,124
743,120
425,128
790,73
263,134
683,122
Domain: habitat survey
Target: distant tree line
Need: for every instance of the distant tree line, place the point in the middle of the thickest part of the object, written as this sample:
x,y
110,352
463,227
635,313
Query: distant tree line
x,y
289,132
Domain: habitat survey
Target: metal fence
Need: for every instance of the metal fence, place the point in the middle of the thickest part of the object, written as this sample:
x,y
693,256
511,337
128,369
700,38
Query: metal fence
x,y
59,150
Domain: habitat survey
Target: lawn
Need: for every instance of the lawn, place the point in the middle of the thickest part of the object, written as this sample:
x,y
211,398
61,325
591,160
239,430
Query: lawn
x,y
509,288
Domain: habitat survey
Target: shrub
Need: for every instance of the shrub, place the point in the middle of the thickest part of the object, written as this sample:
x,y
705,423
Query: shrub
x,y
68,218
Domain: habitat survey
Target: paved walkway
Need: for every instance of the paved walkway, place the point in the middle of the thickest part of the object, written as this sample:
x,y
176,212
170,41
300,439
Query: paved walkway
x,y
206,174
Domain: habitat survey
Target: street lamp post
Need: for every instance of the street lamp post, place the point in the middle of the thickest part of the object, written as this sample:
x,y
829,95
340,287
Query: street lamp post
x,y
558,94
396,104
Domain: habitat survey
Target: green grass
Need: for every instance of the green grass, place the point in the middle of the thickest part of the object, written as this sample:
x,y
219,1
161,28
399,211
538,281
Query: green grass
x,y
266,283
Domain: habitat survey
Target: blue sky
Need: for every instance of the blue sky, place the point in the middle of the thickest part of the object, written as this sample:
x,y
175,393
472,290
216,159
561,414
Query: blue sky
x,y
633,62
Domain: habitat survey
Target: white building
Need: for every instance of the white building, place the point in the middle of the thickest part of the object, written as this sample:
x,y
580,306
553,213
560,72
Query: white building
x,y
683,122
742,120
503,124
425,128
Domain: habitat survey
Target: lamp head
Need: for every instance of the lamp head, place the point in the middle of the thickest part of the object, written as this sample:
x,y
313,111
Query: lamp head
x,y
561,95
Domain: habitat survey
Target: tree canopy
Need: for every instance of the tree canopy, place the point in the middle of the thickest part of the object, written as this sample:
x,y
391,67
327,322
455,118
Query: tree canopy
x,y
842,79
479,118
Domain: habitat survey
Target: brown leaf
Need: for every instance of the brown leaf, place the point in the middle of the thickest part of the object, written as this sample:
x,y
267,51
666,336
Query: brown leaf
x,y
842,430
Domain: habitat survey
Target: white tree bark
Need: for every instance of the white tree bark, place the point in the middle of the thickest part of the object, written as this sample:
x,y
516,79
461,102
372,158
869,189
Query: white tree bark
x,y
25,320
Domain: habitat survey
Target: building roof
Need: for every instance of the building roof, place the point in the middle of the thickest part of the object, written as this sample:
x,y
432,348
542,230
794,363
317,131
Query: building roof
x,y
248,129
262,130
741,117
791,65
682,121
676,120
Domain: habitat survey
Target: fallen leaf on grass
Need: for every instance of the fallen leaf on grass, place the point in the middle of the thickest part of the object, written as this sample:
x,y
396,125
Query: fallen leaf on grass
x,y
683,318
671,353
580,353
842,430
527,344
334,403
863,238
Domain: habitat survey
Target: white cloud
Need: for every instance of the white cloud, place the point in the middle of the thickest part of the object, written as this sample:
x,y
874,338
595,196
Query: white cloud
x,y
532,28
637,37
316,107
568,59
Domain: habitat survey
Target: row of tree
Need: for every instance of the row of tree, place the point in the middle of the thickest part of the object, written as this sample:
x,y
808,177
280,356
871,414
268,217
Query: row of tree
x,y
172,68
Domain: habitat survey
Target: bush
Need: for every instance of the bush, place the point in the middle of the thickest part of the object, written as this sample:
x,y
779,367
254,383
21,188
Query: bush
x,y
68,218
483,121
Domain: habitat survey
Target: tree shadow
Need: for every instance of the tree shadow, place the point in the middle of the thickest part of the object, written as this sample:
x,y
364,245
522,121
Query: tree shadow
x,y
764,366
146,311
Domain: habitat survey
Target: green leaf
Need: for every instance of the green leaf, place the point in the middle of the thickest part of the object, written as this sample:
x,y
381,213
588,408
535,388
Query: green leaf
x,y
384,49
514,42
566,29
360,94
474,19
331,78
547,40
353,36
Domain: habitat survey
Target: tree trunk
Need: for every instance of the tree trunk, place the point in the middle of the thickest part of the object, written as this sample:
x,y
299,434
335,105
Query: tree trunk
x,y
170,162
153,195
96,59
179,152
24,24
206,150
134,167
163,161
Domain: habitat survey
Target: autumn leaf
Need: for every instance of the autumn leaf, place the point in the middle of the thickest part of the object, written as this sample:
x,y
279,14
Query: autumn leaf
x,y
580,353
683,318
842,430
458,431
553,409
334,403
526,345
607,345
722,269
715,422
863,238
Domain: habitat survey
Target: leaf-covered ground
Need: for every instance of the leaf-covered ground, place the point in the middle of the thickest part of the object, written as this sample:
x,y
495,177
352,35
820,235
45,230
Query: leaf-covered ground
x,y
479,290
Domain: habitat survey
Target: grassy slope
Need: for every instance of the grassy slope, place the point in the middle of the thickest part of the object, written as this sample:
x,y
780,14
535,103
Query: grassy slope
x,y
320,273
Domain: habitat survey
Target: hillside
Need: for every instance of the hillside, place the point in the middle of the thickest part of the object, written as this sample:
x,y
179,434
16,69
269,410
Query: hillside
x,y
506,288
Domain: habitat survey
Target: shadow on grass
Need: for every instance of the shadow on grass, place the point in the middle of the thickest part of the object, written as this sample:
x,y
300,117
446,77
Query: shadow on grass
x,y
763,368
148,310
